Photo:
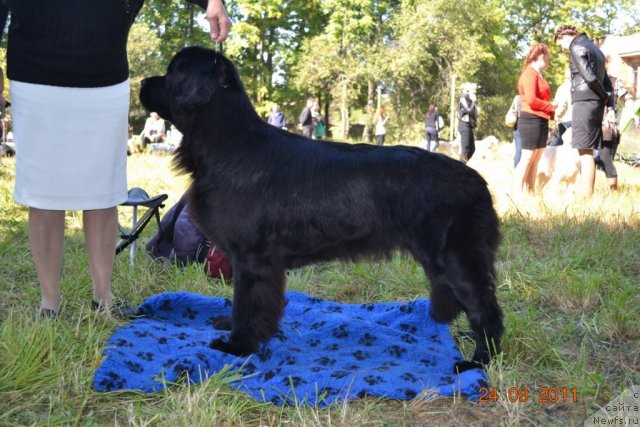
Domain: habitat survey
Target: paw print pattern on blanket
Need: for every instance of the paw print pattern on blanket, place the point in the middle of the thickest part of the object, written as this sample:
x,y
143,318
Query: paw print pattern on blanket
x,y
325,352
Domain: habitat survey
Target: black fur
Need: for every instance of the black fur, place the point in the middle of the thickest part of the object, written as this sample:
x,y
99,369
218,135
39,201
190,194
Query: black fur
x,y
272,200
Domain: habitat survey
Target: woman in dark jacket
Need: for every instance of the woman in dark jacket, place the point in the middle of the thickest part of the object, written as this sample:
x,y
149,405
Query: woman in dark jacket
x,y
590,89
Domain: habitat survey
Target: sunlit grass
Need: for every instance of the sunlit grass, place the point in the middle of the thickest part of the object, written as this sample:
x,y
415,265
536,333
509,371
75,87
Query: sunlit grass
x,y
568,283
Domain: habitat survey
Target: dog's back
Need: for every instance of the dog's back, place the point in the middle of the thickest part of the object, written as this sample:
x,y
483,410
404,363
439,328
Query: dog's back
x,y
323,199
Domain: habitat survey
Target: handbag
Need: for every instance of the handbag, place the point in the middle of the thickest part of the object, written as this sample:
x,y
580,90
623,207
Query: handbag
x,y
555,136
511,118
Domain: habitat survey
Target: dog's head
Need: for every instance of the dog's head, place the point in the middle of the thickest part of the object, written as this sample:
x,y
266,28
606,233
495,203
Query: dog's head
x,y
194,79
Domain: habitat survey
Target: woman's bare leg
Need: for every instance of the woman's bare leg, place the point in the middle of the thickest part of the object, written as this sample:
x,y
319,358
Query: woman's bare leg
x,y
46,239
522,170
100,233
532,172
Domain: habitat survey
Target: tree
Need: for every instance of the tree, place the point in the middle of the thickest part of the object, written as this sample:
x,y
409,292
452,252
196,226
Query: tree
x,y
342,51
145,60
266,40
344,59
531,21
176,23
436,41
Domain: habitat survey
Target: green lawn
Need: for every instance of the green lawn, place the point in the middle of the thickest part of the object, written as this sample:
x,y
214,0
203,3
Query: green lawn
x,y
569,276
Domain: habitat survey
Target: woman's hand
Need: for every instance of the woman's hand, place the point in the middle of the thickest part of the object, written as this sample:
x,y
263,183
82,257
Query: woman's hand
x,y
219,22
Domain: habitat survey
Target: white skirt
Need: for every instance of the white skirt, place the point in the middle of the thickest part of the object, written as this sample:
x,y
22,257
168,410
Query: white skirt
x,y
71,145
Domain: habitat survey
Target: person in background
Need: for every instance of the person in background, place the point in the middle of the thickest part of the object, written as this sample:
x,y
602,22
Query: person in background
x,y
590,89
276,118
154,131
467,121
380,129
611,131
319,125
432,122
67,62
306,119
536,109
517,140
608,147
564,108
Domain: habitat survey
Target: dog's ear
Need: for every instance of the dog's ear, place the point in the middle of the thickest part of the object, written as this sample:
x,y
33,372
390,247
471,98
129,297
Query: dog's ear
x,y
226,73
191,90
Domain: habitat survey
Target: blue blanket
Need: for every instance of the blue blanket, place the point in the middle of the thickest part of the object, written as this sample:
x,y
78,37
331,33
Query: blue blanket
x,y
325,353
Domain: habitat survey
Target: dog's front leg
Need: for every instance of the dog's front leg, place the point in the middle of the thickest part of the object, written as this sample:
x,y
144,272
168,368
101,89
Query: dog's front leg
x,y
258,304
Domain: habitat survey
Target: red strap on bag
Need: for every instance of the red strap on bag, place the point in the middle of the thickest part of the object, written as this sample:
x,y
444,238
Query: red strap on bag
x,y
216,265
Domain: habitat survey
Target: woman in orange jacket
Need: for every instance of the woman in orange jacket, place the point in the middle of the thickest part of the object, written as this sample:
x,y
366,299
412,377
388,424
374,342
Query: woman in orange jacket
x,y
533,120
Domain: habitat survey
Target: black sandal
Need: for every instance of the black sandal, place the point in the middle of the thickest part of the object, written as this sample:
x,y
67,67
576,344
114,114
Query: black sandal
x,y
118,309
47,313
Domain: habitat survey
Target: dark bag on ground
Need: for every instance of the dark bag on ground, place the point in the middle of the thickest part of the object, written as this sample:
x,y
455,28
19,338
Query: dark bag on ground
x,y
179,241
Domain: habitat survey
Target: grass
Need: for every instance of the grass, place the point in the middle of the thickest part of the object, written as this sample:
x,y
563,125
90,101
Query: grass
x,y
568,283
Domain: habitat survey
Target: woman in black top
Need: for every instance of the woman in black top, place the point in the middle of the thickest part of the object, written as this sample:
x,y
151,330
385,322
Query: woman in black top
x,y
590,90
467,120
67,61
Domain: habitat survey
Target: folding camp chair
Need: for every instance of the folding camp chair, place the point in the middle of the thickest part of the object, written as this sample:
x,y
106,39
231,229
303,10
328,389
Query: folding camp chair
x,y
128,236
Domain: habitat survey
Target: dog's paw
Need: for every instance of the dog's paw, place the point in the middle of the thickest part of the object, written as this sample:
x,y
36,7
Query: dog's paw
x,y
223,346
227,347
222,323
460,367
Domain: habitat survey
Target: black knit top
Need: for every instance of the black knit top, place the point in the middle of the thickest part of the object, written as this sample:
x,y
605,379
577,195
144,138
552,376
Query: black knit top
x,y
70,43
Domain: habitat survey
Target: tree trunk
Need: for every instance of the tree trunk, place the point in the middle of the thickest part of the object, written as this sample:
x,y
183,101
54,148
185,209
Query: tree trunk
x,y
344,109
326,115
191,22
371,93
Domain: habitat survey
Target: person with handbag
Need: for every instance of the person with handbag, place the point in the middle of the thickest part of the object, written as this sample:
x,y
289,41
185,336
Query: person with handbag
x,y
511,120
533,120
305,122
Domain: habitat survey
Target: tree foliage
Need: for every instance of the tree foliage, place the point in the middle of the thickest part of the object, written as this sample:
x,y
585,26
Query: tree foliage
x,y
266,41
145,60
352,54
345,61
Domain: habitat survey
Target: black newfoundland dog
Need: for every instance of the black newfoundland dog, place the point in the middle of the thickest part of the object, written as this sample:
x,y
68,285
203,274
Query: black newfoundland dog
x,y
273,200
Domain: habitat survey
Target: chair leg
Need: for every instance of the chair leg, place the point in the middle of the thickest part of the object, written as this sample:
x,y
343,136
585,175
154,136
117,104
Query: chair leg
x,y
132,250
138,197
157,215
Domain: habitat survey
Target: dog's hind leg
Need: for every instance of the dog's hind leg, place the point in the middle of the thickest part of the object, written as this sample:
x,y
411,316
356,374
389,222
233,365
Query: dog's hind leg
x,y
258,305
462,275
444,304
470,275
